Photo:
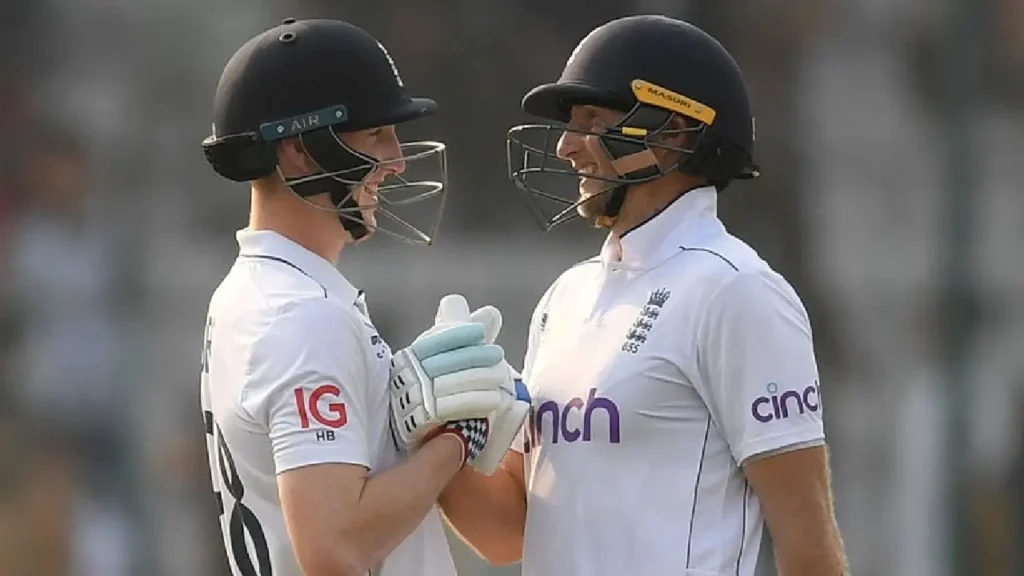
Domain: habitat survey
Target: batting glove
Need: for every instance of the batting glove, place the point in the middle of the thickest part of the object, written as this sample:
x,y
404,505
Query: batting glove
x,y
487,439
504,423
450,373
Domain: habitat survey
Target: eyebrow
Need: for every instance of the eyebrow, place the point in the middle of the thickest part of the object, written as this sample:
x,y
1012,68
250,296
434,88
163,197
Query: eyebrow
x,y
585,116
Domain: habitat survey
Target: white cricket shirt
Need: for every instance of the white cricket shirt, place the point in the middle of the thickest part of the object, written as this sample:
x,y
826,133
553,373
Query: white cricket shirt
x,y
294,374
653,377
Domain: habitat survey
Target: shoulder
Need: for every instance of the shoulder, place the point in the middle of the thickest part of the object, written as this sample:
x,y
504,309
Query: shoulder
x,y
309,339
755,305
756,288
276,281
265,290
309,325
722,269
562,287
263,305
721,288
578,272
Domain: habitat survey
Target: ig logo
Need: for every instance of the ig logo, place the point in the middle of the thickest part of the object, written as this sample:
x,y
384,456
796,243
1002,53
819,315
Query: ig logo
x,y
337,415
777,406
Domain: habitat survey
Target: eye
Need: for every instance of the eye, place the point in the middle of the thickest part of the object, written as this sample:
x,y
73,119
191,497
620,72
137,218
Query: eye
x,y
582,125
376,132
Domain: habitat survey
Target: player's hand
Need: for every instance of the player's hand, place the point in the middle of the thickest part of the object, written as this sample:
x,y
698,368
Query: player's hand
x,y
502,425
449,373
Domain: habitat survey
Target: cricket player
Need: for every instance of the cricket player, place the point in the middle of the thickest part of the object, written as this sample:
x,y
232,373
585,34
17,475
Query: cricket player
x,y
676,400
327,454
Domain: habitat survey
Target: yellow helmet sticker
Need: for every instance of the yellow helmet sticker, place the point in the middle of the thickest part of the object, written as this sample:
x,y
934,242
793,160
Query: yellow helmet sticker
x,y
636,132
655,95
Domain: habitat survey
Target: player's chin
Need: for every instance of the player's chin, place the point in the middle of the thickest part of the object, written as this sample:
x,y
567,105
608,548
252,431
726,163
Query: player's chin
x,y
591,206
370,221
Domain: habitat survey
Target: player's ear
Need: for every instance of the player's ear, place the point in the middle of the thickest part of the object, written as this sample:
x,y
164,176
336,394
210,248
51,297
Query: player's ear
x,y
676,135
292,158
671,140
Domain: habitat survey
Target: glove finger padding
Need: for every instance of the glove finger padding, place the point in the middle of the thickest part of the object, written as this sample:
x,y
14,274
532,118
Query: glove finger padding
x,y
449,313
466,358
453,373
473,380
486,378
469,405
448,375
451,350
490,318
415,423
448,338
452,308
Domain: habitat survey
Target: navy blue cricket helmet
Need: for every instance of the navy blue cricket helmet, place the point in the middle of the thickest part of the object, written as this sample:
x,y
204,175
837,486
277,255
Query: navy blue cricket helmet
x,y
314,79
652,68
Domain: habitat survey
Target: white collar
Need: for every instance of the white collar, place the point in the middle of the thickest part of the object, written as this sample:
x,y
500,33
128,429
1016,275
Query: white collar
x,y
661,235
271,245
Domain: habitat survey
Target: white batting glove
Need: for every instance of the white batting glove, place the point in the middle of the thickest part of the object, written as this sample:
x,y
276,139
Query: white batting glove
x,y
450,373
504,422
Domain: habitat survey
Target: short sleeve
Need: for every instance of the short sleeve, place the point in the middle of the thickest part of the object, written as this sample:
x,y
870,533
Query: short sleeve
x,y
757,367
307,384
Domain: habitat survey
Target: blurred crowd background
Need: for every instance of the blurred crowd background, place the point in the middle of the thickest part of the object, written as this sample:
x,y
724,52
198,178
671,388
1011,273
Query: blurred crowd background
x,y
890,132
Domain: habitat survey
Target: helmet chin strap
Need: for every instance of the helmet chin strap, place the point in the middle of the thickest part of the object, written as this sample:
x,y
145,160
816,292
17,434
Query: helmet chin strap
x,y
632,160
632,168
342,195
612,207
333,156
354,224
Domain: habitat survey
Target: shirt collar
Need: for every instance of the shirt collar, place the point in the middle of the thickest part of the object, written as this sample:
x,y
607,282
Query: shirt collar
x,y
268,244
660,236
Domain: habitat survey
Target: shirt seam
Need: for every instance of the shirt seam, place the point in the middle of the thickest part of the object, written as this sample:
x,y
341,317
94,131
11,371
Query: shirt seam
x,y
801,436
247,374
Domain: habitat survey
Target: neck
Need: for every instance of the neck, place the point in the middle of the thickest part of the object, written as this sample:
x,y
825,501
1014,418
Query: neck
x,y
645,200
282,211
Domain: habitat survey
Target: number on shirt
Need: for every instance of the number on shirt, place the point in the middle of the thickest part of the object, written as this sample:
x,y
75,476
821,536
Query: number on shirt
x,y
631,347
242,522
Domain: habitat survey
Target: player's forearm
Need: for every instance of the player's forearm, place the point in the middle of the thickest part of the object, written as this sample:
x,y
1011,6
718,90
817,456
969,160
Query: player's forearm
x,y
820,554
394,503
488,512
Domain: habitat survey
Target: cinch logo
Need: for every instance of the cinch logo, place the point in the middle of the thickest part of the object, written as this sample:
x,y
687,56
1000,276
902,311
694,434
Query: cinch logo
x,y
561,419
779,407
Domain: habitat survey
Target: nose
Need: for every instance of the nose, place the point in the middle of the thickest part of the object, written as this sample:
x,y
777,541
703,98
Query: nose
x,y
569,144
392,159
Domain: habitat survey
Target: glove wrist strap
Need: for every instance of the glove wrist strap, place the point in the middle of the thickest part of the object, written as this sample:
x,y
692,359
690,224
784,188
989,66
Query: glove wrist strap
x,y
471,433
